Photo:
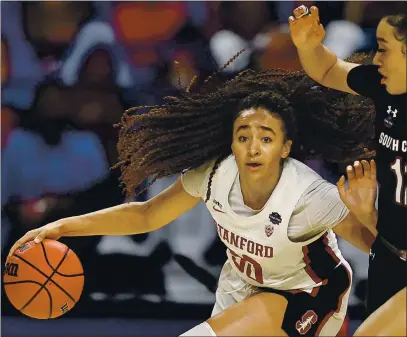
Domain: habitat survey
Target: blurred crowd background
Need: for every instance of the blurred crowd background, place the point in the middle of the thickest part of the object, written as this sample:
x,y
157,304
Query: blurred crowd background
x,y
68,71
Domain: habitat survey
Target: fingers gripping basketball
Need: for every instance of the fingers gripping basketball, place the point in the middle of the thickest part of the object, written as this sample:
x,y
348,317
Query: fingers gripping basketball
x,y
43,280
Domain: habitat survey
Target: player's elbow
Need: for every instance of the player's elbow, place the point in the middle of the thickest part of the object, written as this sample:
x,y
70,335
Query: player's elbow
x,y
148,218
153,215
329,78
138,216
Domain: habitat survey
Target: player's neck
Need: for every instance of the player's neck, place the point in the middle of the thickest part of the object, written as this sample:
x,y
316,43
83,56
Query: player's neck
x,y
256,193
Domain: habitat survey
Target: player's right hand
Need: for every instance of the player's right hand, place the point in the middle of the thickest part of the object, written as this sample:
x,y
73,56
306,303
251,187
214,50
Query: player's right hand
x,y
49,231
306,31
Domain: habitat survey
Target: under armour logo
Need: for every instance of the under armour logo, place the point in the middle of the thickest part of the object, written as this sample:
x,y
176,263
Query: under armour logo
x,y
393,112
307,321
371,254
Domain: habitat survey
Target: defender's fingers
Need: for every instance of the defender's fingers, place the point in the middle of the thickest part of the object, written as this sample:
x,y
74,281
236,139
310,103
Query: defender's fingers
x,y
341,186
358,169
350,173
300,11
372,170
366,169
314,12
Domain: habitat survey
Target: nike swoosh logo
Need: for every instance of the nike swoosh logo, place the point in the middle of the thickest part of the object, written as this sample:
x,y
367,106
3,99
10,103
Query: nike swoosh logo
x,y
218,210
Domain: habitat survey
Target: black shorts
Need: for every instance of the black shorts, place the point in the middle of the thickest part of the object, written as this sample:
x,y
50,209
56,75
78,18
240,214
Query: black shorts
x,y
307,314
387,276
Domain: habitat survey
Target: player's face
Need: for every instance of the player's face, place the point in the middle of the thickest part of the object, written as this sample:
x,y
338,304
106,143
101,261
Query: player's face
x,y
259,143
391,59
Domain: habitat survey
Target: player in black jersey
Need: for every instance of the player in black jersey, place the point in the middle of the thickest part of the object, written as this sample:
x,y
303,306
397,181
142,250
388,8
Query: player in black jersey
x,y
385,83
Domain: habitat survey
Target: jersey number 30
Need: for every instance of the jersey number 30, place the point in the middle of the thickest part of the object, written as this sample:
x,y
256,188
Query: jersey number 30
x,y
245,264
400,171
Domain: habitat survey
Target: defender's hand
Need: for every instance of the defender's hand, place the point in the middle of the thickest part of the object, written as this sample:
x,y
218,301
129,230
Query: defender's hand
x,y
360,195
306,30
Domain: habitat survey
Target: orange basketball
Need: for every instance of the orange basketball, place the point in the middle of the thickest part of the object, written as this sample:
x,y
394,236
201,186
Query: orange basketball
x,y
43,280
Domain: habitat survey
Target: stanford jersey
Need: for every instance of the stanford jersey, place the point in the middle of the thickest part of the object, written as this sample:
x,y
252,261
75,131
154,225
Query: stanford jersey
x,y
310,273
391,148
259,249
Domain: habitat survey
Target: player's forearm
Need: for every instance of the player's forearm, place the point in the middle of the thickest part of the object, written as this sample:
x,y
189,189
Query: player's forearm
x,y
317,62
125,219
362,237
369,220
356,233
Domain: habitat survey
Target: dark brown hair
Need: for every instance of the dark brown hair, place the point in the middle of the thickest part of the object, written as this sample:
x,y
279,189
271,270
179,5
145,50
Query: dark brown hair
x,y
196,126
399,23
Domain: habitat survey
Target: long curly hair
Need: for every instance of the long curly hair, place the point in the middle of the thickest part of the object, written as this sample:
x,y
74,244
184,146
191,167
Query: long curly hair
x,y
196,126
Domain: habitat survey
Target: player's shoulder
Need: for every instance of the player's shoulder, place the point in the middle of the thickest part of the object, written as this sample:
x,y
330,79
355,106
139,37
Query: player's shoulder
x,y
364,71
194,179
365,80
320,205
300,170
319,193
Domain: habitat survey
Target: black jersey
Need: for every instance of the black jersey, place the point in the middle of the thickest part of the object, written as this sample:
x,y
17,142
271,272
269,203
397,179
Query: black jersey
x,y
391,152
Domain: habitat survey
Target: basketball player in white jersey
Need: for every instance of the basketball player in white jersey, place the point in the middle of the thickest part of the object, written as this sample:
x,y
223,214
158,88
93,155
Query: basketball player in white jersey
x,y
284,274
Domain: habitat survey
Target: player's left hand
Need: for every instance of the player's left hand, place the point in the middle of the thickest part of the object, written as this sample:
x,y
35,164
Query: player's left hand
x,y
360,194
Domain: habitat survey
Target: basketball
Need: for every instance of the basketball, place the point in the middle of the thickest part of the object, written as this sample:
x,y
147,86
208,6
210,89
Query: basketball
x,y
43,280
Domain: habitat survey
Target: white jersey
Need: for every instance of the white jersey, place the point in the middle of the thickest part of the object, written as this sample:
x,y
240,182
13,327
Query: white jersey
x,y
318,209
259,249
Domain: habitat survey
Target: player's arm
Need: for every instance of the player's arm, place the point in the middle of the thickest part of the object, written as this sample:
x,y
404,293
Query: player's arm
x,y
357,234
329,70
134,217
326,210
126,219
320,63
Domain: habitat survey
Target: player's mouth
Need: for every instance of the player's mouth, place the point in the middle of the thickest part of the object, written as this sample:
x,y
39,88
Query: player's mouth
x,y
383,80
253,166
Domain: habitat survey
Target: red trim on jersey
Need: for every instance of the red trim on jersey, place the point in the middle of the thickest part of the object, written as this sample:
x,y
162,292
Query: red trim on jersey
x,y
336,258
344,292
311,272
329,315
307,267
343,332
323,322
314,291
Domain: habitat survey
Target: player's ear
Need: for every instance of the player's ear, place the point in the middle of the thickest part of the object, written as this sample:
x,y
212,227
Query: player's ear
x,y
285,151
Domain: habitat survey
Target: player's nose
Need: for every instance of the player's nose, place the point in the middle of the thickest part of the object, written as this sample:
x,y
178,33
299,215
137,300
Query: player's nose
x,y
253,148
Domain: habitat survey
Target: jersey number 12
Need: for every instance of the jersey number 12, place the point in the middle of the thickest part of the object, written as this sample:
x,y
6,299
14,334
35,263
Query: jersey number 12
x,y
400,171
